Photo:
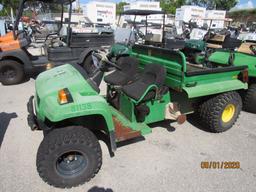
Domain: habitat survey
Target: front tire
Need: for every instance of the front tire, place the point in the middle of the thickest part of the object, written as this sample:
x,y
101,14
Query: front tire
x,y
11,72
220,113
68,157
250,99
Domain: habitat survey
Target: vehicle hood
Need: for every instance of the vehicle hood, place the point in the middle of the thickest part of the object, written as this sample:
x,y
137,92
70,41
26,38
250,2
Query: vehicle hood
x,y
67,76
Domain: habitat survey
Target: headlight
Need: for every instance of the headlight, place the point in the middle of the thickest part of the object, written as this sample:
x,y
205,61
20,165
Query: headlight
x,y
64,96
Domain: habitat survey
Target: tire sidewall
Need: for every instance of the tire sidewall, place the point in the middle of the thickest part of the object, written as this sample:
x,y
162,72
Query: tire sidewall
x,y
52,172
249,99
18,69
63,140
227,125
211,110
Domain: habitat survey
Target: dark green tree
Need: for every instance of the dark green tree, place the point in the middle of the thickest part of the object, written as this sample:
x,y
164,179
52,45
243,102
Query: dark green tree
x,y
225,4
170,6
215,4
7,5
120,7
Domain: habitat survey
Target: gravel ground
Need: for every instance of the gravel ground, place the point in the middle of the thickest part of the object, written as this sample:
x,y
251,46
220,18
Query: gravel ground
x,y
169,159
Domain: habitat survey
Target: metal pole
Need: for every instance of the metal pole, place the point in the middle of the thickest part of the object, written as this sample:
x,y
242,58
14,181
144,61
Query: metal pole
x,y
18,16
69,23
132,31
61,18
163,37
146,31
119,19
12,16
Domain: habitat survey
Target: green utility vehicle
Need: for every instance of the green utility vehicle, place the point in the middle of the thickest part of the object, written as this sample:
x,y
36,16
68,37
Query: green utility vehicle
x,y
245,55
198,51
149,85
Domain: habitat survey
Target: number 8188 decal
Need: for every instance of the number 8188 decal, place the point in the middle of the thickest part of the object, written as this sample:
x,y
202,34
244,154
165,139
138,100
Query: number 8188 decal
x,y
220,165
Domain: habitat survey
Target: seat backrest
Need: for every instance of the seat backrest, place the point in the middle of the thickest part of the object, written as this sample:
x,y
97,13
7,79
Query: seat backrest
x,y
128,65
154,74
231,43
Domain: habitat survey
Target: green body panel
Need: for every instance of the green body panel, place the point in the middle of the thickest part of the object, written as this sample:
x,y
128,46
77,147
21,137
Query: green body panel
x,y
195,86
214,88
86,100
156,107
212,83
127,108
241,59
198,45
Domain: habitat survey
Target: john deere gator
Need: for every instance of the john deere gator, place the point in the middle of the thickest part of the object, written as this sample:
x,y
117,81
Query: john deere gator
x,y
149,85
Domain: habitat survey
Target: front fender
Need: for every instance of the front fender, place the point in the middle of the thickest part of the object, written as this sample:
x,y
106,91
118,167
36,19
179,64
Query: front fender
x,y
82,106
17,54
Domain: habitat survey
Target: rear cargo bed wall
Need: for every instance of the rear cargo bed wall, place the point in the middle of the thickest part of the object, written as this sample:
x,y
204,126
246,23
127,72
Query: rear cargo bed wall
x,y
174,61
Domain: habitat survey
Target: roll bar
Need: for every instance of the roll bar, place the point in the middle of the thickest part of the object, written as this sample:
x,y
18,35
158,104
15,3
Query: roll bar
x,y
61,2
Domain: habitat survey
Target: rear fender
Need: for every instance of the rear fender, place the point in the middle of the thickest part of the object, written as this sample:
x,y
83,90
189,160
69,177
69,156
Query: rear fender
x,y
215,88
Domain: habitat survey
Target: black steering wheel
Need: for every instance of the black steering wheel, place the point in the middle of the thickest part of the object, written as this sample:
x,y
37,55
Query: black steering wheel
x,y
104,59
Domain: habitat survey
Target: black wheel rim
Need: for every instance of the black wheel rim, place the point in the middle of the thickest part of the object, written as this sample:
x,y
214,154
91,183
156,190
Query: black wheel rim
x,y
71,163
8,72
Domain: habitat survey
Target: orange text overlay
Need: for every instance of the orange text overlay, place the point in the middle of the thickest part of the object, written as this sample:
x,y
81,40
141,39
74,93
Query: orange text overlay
x,y
220,165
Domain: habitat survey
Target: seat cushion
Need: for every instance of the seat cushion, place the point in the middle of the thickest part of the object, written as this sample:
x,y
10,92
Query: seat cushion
x,y
153,74
137,89
117,78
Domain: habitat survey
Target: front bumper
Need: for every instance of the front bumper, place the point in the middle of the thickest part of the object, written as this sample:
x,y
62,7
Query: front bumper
x,y
31,119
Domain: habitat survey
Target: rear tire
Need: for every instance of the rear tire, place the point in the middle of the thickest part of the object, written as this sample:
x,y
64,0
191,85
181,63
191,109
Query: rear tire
x,y
11,72
68,157
218,114
250,99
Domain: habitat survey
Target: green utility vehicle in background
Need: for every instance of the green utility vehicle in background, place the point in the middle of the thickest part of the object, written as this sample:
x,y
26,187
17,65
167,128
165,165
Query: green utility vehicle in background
x,y
149,85
245,55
